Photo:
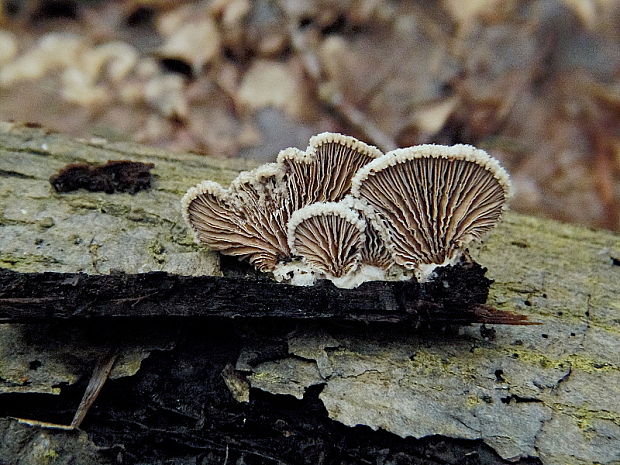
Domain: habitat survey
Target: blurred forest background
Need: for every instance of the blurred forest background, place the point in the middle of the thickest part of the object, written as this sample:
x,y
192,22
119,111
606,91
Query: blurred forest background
x,y
534,82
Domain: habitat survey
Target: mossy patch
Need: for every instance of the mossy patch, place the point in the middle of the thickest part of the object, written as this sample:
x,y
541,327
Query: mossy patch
x,y
26,262
157,251
574,361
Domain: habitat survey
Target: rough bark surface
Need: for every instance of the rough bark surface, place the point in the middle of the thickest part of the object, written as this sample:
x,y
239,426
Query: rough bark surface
x,y
549,392
457,296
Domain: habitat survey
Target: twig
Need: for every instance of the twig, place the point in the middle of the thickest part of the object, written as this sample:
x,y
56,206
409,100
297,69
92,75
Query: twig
x,y
100,375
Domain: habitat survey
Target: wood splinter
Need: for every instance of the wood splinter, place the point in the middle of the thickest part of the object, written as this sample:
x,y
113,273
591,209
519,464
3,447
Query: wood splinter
x,y
99,377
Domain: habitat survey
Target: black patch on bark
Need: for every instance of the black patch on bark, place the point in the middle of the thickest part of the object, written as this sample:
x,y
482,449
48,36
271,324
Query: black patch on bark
x,y
114,176
519,399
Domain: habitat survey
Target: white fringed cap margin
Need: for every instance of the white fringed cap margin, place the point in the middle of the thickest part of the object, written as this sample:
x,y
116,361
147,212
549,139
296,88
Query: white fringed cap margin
x,y
455,152
323,208
347,141
294,154
255,176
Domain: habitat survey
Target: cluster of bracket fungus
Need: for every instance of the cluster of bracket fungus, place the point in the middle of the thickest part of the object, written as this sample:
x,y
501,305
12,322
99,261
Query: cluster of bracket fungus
x,y
344,211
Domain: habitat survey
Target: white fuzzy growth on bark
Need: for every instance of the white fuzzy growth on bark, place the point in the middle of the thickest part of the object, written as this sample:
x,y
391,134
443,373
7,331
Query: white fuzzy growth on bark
x,y
296,273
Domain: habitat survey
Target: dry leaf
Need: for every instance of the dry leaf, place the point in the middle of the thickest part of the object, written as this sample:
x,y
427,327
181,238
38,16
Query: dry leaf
x,y
195,41
271,83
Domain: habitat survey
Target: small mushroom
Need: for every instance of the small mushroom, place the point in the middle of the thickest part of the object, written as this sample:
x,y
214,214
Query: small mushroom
x,y
328,236
375,253
245,220
433,199
323,173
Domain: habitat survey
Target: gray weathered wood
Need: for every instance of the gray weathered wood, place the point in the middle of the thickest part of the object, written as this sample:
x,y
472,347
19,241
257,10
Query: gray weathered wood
x,y
550,391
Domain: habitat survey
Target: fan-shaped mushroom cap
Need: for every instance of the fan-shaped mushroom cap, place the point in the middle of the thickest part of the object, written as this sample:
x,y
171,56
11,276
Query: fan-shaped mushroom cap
x,y
434,199
324,171
328,236
246,221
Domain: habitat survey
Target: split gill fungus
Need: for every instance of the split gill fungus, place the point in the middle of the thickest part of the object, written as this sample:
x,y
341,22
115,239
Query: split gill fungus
x,y
342,210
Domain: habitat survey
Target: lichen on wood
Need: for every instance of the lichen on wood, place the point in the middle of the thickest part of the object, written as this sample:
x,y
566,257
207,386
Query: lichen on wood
x,y
547,391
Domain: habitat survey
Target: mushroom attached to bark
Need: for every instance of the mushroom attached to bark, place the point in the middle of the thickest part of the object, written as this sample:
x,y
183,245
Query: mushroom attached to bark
x,y
249,219
433,199
244,220
351,213
329,237
260,197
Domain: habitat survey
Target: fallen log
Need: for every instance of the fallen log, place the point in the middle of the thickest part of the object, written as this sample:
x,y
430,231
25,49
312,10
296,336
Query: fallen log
x,y
265,392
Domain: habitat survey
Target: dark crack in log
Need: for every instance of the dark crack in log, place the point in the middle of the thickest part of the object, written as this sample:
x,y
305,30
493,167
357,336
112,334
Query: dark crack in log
x,y
180,410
